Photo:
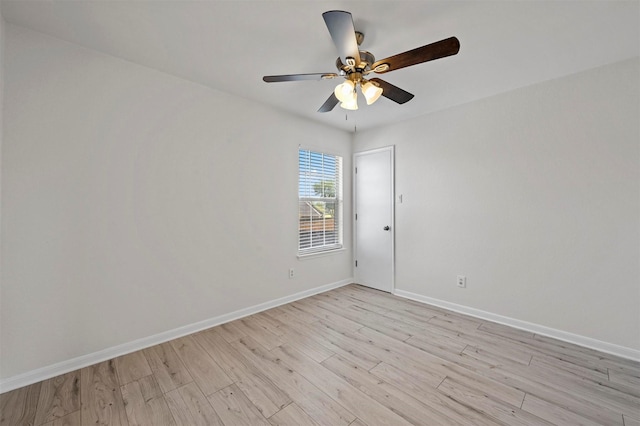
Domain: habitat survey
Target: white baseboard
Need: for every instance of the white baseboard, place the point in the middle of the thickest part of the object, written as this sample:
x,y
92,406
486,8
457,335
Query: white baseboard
x,y
577,339
63,367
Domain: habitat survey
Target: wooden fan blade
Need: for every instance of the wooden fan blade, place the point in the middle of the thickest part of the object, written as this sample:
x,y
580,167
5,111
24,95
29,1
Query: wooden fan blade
x,y
340,25
298,77
329,104
392,92
437,50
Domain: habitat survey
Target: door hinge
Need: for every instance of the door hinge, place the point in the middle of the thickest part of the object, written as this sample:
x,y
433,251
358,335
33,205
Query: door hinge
x,y
356,216
356,263
356,170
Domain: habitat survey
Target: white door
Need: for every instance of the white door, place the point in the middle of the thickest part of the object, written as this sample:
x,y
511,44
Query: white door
x,y
373,219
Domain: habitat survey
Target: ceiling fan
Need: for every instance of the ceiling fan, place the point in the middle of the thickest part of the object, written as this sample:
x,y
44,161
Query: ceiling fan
x,y
354,64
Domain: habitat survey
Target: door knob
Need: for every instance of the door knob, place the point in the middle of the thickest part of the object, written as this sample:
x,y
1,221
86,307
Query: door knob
x,y
386,228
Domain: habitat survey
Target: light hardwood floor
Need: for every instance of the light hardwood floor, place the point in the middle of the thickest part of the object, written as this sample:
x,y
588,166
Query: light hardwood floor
x,y
350,356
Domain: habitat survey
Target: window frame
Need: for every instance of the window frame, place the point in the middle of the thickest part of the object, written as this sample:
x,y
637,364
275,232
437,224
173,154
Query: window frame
x,y
305,196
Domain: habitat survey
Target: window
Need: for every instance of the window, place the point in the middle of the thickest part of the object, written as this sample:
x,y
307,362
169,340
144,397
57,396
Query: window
x,y
319,202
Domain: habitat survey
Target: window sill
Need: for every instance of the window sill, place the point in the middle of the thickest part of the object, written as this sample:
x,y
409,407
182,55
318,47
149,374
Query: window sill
x,y
321,254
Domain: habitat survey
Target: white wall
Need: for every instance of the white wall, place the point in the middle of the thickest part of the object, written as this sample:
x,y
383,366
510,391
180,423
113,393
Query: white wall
x,y
534,196
134,202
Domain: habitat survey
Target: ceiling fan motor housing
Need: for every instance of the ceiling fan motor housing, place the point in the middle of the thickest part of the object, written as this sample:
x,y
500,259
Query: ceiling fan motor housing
x,y
366,59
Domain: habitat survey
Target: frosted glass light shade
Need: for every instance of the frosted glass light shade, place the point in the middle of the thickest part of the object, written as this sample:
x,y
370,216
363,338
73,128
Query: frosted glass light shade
x,y
345,92
371,92
350,105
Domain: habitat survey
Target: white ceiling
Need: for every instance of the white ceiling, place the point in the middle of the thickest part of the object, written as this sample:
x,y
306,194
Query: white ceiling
x,y
230,45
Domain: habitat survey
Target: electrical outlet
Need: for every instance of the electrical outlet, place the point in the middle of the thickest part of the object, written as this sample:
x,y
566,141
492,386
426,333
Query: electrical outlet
x,y
291,274
462,281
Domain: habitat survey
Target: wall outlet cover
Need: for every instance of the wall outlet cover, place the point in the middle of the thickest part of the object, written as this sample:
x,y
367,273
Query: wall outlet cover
x,y
462,281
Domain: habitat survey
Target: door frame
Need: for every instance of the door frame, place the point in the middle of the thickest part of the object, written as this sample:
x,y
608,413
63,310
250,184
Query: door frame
x,y
391,150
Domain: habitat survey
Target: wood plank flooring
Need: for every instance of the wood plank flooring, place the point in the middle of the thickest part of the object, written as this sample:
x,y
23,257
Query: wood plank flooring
x,y
351,356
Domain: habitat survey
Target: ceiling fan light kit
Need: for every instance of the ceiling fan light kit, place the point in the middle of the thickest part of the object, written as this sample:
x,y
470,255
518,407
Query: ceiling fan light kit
x,y
347,95
354,64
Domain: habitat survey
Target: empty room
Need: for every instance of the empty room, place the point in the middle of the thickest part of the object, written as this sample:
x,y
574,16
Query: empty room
x,y
319,212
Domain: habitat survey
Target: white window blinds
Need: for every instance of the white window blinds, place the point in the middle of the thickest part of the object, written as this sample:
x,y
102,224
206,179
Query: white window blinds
x,y
319,202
